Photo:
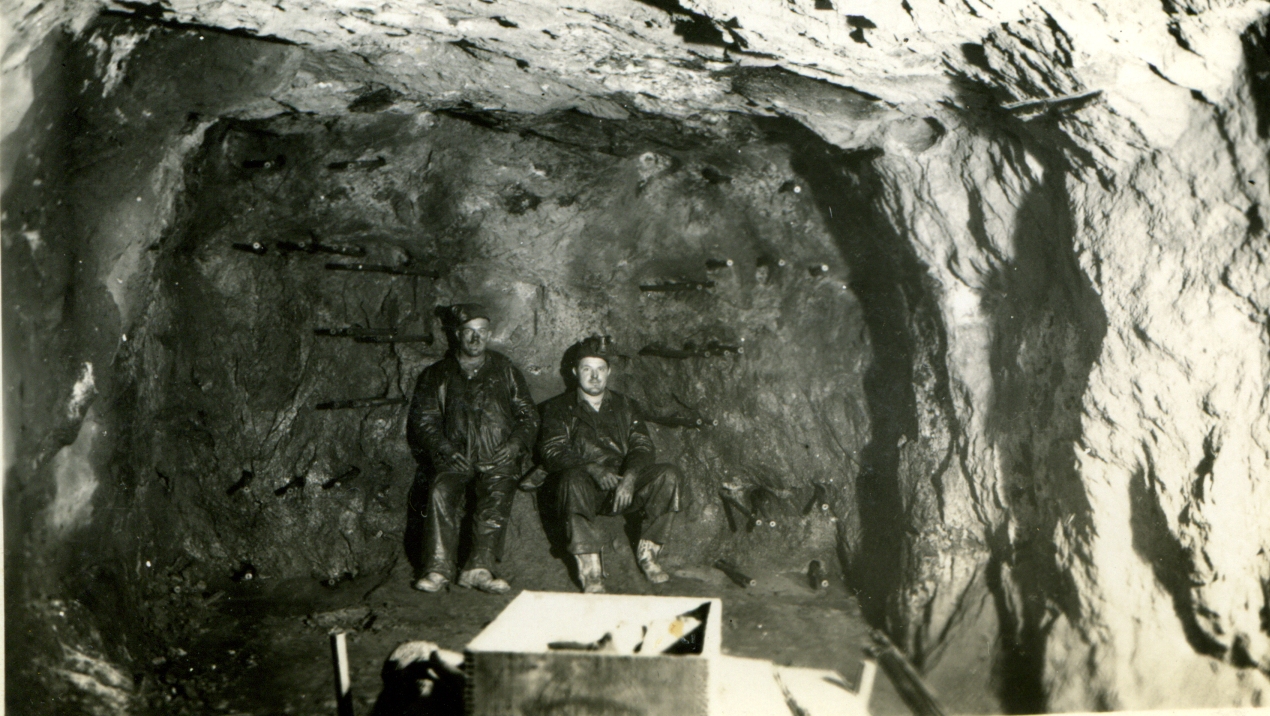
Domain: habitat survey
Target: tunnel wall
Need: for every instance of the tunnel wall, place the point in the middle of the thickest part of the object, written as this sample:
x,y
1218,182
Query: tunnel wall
x,y
1107,373
557,235
1061,444
205,363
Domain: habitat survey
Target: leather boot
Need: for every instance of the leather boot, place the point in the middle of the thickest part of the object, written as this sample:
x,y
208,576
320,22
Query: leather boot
x,y
480,578
432,582
646,553
590,572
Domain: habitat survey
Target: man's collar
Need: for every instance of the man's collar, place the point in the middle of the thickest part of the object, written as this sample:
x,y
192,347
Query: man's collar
x,y
457,366
580,400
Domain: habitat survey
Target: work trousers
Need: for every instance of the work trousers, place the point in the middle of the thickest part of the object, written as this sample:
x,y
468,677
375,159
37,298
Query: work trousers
x,y
446,499
656,498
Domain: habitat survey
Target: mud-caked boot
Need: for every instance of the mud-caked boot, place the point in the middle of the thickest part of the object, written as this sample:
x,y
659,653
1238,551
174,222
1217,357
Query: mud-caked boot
x,y
646,553
431,583
480,578
590,572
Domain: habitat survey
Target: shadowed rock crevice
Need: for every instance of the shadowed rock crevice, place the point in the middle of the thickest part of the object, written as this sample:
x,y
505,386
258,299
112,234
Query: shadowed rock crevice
x,y
1256,51
1155,543
1048,329
888,282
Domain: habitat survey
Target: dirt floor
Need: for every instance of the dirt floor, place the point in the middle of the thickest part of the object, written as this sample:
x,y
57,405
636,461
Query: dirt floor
x,y
263,648
260,646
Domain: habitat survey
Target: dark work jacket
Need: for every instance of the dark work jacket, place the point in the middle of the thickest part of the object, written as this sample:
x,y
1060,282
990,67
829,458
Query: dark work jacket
x,y
453,415
575,435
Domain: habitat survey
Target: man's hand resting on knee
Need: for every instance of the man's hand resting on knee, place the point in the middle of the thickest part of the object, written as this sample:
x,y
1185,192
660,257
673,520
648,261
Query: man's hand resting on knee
x,y
625,492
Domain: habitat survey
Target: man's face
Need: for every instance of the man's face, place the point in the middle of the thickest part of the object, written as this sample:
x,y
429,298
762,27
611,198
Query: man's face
x,y
474,337
593,375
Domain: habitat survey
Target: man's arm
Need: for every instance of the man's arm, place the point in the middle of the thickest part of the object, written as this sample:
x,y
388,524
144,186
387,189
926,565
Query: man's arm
x,y
425,425
524,412
640,452
554,443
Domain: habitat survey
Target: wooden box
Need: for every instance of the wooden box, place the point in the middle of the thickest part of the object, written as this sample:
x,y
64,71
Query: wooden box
x,y
512,672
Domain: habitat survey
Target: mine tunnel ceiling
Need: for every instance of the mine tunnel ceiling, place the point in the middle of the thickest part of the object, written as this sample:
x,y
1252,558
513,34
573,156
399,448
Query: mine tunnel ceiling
x,y
859,74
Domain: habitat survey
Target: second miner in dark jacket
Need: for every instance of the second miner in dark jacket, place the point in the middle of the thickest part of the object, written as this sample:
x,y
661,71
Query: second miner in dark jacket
x,y
473,417
596,441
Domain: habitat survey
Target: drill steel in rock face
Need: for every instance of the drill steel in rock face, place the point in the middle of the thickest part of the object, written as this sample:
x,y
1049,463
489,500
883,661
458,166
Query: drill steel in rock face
x,y
1055,403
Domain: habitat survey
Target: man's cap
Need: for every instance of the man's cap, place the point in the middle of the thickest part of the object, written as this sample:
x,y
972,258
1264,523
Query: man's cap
x,y
596,347
460,313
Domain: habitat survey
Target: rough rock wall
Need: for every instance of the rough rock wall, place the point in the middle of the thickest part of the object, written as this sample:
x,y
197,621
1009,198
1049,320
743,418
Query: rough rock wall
x,y
1084,346
94,172
555,226
1108,372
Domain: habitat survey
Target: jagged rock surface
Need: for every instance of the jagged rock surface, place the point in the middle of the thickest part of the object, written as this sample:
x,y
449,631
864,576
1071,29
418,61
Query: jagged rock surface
x,y
1062,269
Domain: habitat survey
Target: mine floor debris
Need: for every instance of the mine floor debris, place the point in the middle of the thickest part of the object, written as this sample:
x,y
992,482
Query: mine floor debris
x,y
264,647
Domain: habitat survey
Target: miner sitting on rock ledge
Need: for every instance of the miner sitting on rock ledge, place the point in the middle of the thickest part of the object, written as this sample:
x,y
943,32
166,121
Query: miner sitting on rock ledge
x,y
473,417
595,442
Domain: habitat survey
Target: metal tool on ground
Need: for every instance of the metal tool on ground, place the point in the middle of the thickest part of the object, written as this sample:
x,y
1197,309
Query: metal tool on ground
x,y
299,481
676,286
254,247
816,576
734,573
907,681
349,474
343,684
380,268
819,499
243,481
360,403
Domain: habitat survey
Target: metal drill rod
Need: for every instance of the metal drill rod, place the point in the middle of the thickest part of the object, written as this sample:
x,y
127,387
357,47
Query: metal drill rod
x,y
379,268
313,247
243,481
907,681
425,338
345,476
676,286
360,403
816,575
254,247
675,421
374,335
819,499
298,481
734,573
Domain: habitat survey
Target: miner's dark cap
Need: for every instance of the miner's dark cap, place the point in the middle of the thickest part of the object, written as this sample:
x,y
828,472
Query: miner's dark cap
x,y
595,347
456,315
